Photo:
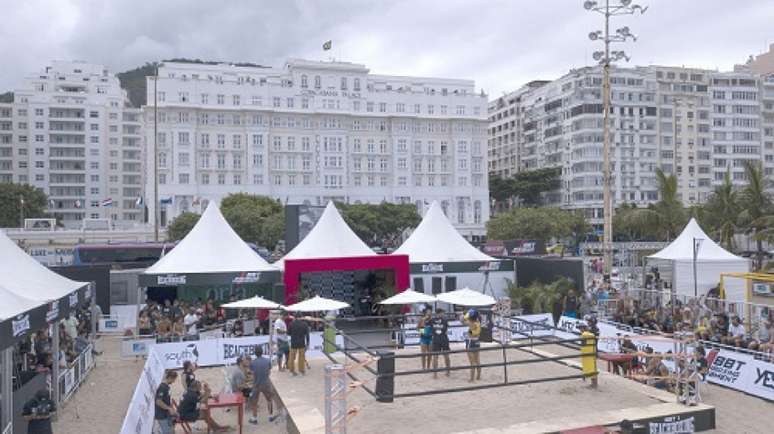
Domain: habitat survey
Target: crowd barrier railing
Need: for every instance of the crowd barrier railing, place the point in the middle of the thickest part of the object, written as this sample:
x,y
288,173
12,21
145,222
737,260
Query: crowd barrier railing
x,y
70,379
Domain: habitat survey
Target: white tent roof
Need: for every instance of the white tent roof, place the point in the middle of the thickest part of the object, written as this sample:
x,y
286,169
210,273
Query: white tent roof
x,y
436,240
681,249
317,304
409,296
28,278
466,297
330,237
212,246
252,303
14,304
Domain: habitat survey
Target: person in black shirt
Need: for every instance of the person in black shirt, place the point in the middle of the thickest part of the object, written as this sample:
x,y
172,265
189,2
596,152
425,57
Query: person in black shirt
x,y
440,341
37,412
163,411
193,406
188,374
299,337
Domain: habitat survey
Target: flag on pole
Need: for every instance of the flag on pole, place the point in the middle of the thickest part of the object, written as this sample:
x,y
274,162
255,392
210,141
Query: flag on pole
x,y
51,203
327,46
107,202
140,201
196,201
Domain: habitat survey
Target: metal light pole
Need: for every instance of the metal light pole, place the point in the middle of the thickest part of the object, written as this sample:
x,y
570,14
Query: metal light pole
x,y
696,246
156,156
623,7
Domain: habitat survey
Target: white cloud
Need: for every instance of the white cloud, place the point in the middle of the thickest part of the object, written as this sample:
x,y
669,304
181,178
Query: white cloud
x,y
499,43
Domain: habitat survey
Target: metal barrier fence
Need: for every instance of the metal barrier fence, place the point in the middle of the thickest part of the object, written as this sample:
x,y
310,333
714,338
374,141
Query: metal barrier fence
x,y
71,378
753,314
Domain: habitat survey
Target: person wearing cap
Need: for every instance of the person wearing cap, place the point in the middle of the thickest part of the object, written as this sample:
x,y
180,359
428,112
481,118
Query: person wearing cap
x,y
473,343
38,412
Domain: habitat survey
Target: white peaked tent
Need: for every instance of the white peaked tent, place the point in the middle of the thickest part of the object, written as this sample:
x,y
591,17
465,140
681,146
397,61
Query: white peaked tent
x,y
436,240
212,246
28,278
711,260
330,237
441,256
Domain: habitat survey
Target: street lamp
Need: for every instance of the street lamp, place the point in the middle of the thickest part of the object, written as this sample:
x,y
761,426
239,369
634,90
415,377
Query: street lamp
x,y
605,58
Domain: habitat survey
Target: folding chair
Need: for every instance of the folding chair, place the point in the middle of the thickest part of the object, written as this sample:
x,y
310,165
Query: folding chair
x,y
185,425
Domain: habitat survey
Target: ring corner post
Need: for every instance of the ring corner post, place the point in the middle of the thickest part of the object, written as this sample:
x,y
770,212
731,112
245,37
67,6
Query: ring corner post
x,y
385,380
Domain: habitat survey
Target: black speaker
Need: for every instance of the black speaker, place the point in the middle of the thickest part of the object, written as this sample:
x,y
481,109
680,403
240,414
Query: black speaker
x,y
385,385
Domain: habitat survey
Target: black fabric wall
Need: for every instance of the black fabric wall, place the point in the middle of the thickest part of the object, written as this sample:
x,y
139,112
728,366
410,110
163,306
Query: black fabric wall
x,y
91,273
548,269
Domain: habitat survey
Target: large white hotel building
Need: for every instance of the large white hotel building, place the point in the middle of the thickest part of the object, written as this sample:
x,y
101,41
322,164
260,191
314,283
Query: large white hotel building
x,y
70,133
698,124
310,132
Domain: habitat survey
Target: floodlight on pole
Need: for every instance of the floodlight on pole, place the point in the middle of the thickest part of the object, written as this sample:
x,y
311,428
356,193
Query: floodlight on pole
x,y
605,58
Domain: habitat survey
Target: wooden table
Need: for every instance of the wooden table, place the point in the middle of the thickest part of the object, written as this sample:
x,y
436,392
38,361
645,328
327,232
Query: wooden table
x,y
225,400
618,357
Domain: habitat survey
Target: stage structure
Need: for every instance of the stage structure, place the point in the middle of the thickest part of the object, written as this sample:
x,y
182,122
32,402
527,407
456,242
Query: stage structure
x,y
332,262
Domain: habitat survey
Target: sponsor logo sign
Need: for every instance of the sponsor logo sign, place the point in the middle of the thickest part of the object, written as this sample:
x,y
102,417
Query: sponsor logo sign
x,y
20,324
171,280
724,368
432,268
673,425
53,311
764,378
247,278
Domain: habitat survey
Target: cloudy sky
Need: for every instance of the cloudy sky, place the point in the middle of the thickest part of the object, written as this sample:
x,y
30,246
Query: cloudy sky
x,y
499,43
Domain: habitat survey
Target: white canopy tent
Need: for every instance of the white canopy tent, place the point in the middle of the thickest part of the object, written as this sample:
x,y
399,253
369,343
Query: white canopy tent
x,y
21,274
317,304
439,254
256,302
409,296
711,260
330,237
466,297
435,240
211,247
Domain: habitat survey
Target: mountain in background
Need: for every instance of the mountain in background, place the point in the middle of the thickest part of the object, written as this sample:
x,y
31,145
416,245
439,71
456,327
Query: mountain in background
x,y
134,81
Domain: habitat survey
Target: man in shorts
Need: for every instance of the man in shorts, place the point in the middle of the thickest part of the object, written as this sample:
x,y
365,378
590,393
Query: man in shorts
x,y
261,369
282,340
440,340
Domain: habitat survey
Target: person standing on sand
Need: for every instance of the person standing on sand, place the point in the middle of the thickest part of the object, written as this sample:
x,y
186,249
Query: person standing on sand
x,y
261,369
440,341
164,414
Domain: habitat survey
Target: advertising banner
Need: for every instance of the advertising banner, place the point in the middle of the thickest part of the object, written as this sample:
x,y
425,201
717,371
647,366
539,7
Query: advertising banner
x,y
741,372
530,325
139,415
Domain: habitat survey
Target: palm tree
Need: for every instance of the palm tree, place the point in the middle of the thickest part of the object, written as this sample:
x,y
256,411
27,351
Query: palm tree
x,y
756,204
721,212
667,216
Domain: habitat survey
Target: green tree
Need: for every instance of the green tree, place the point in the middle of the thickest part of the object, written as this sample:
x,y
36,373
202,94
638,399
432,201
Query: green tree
x,y
382,224
756,205
524,187
181,226
12,196
257,219
539,297
721,212
536,223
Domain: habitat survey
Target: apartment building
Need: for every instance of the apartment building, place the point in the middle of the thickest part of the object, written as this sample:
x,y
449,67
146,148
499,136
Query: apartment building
x,y
69,133
695,123
310,131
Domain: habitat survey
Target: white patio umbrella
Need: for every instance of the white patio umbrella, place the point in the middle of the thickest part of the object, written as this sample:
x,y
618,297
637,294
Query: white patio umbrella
x,y
409,296
466,297
317,304
252,303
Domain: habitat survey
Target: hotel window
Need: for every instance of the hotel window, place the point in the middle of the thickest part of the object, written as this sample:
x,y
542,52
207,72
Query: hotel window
x,y
356,85
221,99
276,101
304,81
343,83
317,82
382,107
235,100
221,178
205,98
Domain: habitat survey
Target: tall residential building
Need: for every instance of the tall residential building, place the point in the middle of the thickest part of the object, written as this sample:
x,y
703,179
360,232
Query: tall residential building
x,y
697,124
310,132
69,133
